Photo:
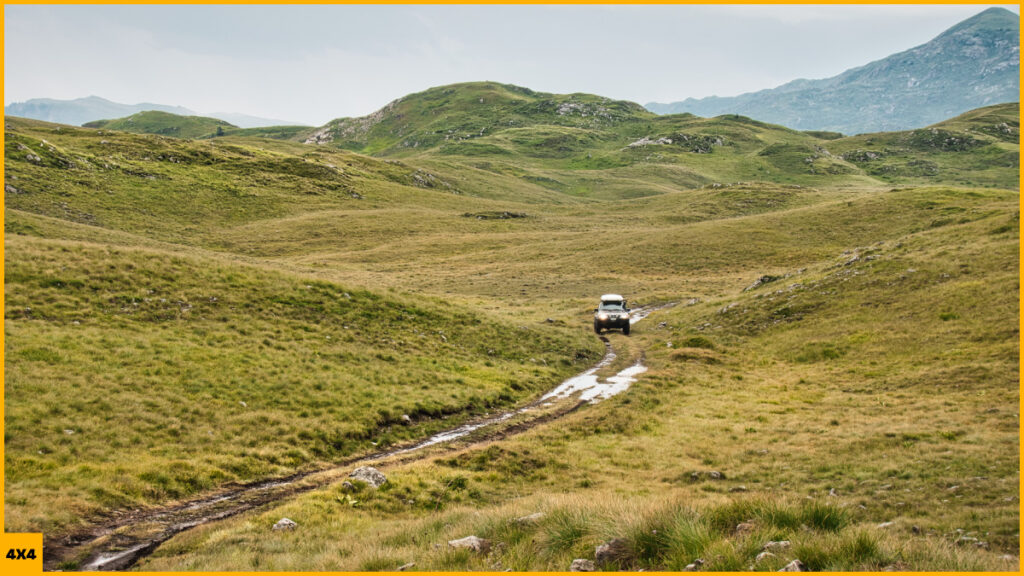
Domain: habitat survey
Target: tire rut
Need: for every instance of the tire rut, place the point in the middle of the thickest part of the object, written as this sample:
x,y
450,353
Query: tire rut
x,y
119,543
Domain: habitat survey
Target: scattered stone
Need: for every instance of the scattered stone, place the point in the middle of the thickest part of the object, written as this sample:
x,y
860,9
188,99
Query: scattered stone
x,y
699,475
744,528
915,529
68,431
794,566
964,540
473,543
370,475
832,492
348,486
285,524
886,524
764,556
694,566
762,281
405,567
739,488
242,402
582,565
406,419
33,158
11,189
530,519
776,546
614,550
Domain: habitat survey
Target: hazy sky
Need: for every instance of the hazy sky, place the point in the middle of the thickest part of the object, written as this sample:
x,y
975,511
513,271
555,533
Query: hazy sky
x,y
313,63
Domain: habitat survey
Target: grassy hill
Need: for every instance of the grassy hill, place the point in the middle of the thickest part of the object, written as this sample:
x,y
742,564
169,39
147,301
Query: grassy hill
x,y
858,403
181,314
165,124
583,145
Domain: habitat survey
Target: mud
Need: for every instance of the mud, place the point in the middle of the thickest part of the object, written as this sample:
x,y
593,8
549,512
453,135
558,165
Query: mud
x,y
119,543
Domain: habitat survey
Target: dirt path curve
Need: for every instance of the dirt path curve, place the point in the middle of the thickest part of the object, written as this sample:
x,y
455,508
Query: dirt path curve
x,y
119,543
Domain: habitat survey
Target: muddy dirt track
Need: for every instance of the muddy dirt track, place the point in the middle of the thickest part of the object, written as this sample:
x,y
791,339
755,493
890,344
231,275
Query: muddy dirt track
x,y
120,542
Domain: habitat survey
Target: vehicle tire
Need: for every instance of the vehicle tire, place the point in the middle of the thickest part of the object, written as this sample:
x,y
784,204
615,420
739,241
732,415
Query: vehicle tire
x,y
597,328
625,329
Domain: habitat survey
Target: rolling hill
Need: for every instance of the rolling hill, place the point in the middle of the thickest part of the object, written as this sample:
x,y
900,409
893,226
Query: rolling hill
x,y
186,314
82,110
973,64
166,124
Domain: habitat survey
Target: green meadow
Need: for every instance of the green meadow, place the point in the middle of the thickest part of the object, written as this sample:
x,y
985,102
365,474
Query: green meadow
x,y
838,368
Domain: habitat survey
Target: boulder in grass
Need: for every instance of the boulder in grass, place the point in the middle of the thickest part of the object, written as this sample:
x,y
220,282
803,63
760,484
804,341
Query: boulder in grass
x,y
582,565
614,550
474,543
370,475
794,566
285,524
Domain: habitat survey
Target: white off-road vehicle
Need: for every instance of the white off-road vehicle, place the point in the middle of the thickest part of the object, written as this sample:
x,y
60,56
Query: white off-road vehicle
x,y
612,313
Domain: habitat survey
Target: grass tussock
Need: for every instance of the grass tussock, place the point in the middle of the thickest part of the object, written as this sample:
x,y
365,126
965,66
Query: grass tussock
x,y
642,534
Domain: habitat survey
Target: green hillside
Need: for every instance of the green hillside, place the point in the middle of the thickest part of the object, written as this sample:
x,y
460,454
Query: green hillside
x,y
460,113
859,402
182,314
165,124
583,145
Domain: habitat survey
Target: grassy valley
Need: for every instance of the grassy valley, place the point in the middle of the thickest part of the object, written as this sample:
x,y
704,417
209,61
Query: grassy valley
x,y
187,313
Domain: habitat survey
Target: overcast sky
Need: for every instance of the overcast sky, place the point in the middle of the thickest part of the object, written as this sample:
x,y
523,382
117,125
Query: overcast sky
x,y
310,64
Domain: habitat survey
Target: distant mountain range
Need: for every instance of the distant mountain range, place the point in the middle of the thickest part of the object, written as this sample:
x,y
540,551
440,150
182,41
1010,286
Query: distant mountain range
x,y
82,110
973,64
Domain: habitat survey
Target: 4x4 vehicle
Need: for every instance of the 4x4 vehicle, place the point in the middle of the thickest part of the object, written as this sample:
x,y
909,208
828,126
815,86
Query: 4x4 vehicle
x,y
612,313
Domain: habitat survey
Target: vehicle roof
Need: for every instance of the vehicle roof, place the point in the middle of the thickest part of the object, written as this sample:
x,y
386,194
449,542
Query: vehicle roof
x,y
612,298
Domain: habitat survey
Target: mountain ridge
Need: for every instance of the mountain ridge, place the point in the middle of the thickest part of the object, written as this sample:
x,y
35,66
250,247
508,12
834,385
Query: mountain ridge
x,y
79,111
972,64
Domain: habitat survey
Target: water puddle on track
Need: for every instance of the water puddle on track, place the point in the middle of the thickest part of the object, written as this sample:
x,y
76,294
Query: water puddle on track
x,y
115,548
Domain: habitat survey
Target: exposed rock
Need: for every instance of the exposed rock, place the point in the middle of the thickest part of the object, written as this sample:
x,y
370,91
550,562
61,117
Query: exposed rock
x,y
285,524
582,565
694,566
405,567
764,556
744,528
370,475
614,550
776,546
473,543
794,566
646,141
530,519
767,278
699,475
11,189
